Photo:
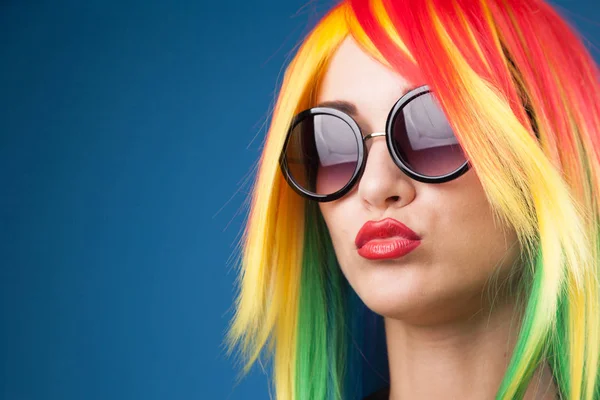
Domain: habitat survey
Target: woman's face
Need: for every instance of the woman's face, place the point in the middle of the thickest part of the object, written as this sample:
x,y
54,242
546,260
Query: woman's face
x,y
462,245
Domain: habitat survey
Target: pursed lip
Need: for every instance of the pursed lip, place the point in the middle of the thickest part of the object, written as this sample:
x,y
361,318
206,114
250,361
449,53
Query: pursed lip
x,y
386,228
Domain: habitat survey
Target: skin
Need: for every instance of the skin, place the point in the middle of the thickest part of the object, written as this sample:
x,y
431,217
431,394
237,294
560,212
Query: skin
x,y
444,339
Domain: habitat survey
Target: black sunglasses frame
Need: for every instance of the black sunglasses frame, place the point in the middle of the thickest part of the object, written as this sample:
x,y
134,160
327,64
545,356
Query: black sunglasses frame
x,y
395,153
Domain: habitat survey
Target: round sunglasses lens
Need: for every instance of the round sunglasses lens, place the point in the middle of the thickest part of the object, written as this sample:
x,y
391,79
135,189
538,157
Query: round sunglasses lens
x,y
322,154
424,140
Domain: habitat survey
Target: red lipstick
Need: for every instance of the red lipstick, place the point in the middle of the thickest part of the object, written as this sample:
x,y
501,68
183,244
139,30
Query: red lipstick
x,y
385,239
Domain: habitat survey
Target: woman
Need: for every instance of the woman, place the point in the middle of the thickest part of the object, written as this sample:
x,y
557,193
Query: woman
x,y
425,220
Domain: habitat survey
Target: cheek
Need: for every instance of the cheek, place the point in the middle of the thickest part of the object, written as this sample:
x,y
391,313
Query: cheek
x,y
341,227
467,237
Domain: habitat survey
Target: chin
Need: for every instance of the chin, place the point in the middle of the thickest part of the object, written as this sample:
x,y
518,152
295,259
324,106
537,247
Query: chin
x,y
415,298
400,309
395,298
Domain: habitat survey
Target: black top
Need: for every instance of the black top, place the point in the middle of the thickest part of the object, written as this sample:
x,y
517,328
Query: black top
x,y
383,394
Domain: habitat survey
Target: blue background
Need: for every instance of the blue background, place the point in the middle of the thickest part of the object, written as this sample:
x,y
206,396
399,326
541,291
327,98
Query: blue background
x,y
129,131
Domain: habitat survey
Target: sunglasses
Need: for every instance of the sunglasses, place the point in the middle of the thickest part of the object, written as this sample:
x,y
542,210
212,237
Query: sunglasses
x,y
324,153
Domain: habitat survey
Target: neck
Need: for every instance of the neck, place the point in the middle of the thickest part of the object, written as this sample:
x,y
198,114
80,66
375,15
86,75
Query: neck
x,y
463,359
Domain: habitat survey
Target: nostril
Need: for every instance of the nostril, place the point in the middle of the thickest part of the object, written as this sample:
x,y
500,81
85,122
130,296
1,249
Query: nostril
x,y
394,198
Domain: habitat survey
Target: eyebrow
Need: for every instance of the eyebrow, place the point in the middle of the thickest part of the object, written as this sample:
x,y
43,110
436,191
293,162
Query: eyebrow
x,y
341,105
350,108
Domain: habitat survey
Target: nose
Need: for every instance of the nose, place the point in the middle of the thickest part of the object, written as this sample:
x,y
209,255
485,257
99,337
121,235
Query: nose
x,y
383,184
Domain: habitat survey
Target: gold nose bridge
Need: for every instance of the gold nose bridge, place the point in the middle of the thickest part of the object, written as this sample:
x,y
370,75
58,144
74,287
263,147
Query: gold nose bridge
x,y
373,135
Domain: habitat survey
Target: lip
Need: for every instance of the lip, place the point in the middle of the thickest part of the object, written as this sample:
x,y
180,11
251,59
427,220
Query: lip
x,y
385,239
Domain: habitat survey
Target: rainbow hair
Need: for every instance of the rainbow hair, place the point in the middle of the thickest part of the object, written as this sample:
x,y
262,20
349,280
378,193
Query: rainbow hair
x,y
522,95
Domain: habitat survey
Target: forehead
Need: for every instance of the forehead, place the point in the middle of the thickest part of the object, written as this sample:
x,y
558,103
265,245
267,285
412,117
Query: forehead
x,y
356,77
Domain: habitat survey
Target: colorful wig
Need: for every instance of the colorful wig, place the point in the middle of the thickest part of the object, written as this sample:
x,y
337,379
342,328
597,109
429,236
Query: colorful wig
x,y
522,95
